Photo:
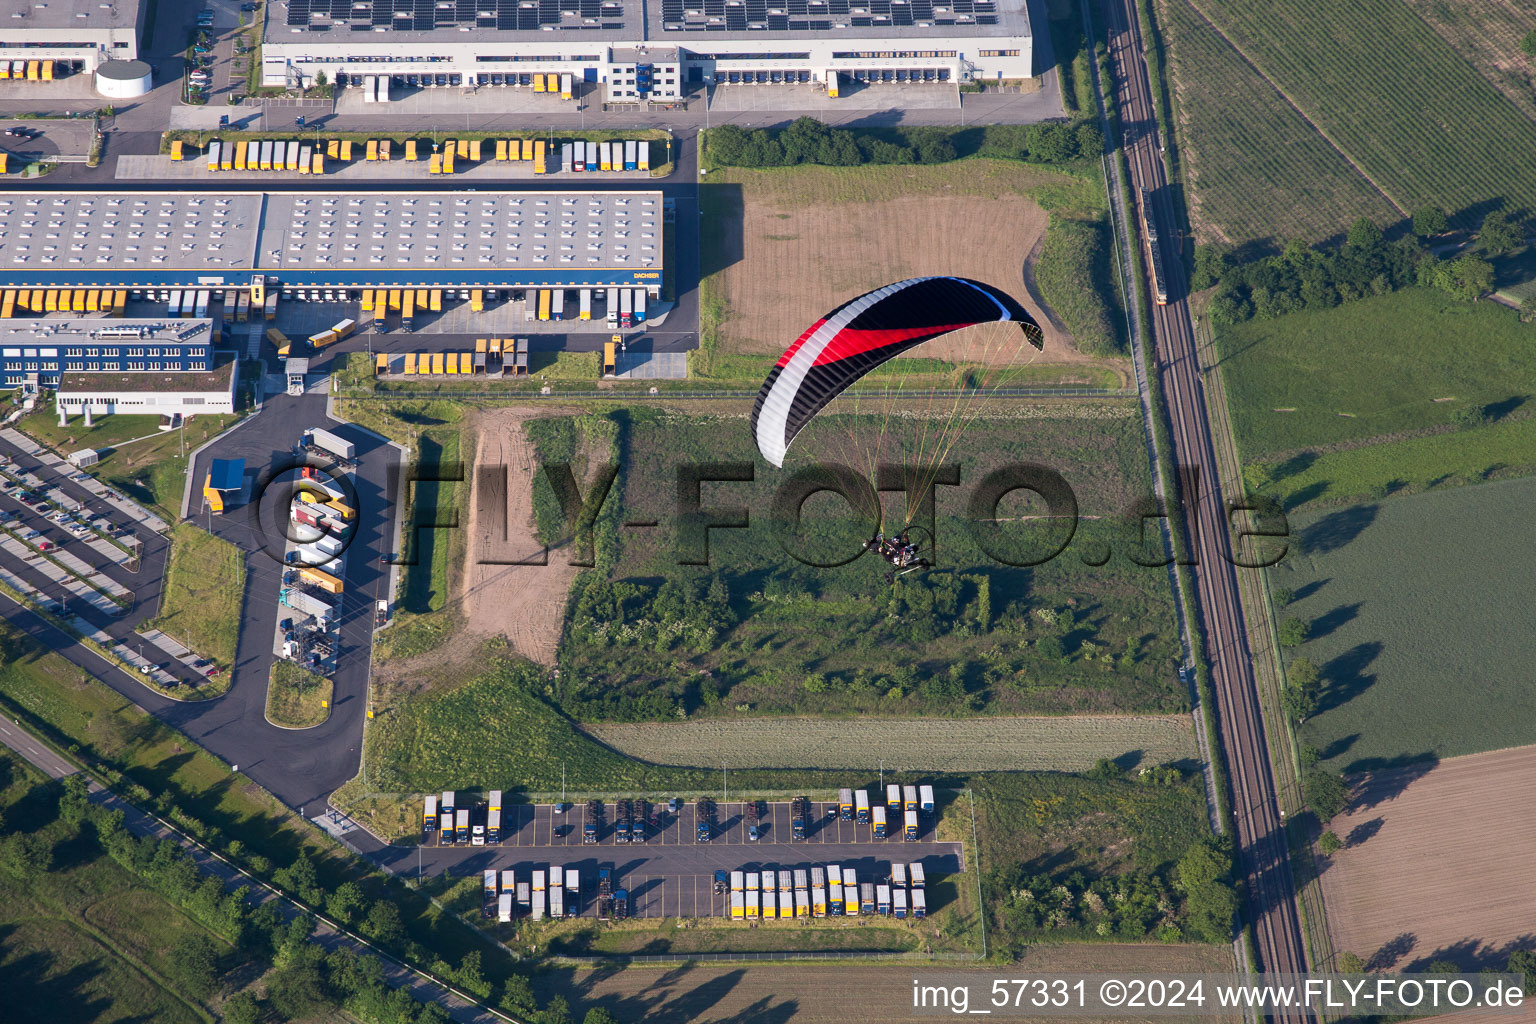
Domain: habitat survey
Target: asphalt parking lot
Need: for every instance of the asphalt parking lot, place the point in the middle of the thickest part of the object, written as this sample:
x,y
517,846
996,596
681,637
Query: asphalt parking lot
x,y
672,886
525,825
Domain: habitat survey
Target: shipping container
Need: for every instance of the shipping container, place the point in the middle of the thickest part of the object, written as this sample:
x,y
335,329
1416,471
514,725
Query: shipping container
x,y
324,580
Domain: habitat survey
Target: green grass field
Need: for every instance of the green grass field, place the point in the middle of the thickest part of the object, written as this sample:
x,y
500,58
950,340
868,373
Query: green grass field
x,y
431,429
1397,98
296,698
152,471
86,941
1370,369
204,592
1420,624
1256,168
757,631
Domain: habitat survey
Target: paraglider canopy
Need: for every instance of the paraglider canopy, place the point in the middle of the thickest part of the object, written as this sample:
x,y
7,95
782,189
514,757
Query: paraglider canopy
x,y
863,333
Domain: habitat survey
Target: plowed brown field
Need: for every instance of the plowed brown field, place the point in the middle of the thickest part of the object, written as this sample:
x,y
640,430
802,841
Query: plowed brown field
x,y
1437,863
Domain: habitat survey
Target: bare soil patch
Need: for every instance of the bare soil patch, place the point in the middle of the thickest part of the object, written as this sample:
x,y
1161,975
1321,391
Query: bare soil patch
x,y
1436,863
813,994
800,260
523,602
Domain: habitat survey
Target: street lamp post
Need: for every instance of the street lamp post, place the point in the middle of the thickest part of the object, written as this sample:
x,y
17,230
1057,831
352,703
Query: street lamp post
x,y
724,789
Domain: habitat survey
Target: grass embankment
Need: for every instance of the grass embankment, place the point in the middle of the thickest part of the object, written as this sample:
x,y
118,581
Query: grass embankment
x,y
1418,628
85,941
296,697
204,594
432,431
1447,402
950,745
152,471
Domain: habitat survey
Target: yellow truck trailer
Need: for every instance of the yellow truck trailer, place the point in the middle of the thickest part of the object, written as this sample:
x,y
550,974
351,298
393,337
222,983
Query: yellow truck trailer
x,y
333,149
380,365
501,149
317,166
451,362
477,301
279,340
394,299
410,149
466,362
176,149
341,509
527,149
322,339
436,300
474,150
448,161
319,578
119,301
436,164
372,150
410,364
212,497
346,149
8,304
437,363
241,148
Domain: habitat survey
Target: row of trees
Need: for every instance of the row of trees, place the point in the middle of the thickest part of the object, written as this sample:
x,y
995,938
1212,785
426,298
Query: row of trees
x,y
1307,277
809,141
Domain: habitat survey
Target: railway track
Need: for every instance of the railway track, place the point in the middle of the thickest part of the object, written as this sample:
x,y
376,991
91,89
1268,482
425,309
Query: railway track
x,y
1262,853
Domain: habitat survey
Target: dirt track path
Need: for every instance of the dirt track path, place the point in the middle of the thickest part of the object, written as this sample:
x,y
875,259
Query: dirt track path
x,y
526,602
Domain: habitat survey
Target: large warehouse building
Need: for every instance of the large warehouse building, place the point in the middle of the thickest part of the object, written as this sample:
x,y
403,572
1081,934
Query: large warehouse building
x,y
645,49
75,35
291,241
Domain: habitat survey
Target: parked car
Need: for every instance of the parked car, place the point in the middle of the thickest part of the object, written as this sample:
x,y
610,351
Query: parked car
x,y
32,535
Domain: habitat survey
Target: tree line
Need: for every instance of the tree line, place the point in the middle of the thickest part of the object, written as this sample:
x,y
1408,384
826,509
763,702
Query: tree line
x,y
1303,276
809,141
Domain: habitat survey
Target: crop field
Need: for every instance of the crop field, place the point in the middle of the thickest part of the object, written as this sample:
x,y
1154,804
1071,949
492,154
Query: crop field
x,y
204,591
925,744
1296,382
805,993
1400,101
1088,631
1449,830
1488,34
1256,168
784,245
1419,627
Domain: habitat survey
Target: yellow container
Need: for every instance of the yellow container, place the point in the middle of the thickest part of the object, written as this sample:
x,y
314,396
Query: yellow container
x,y
47,70
437,362
346,149
240,150
501,149
394,298
421,298
474,150
410,149
119,301
176,150
31,70
318,165
477,300
527,149
436,299
463,149
373,149
466,362
538,83
410,364
333,148
436,166
448,162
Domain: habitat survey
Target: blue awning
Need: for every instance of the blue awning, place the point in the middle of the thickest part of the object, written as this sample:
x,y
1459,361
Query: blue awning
x,y
226,474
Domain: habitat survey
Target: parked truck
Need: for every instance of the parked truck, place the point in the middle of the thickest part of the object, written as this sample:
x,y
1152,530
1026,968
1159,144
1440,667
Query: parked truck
x,y
877,816
590,822
899,901
883,899
909,830
461,825
445,817
915,872
851,906
909,798
556,897
322,579
493,823
704,811
925,800
893,799
861,806
572,892
845,804
317,439
919,903
834,890
429,819
620,904
631,155
799,812
309,604
504,908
